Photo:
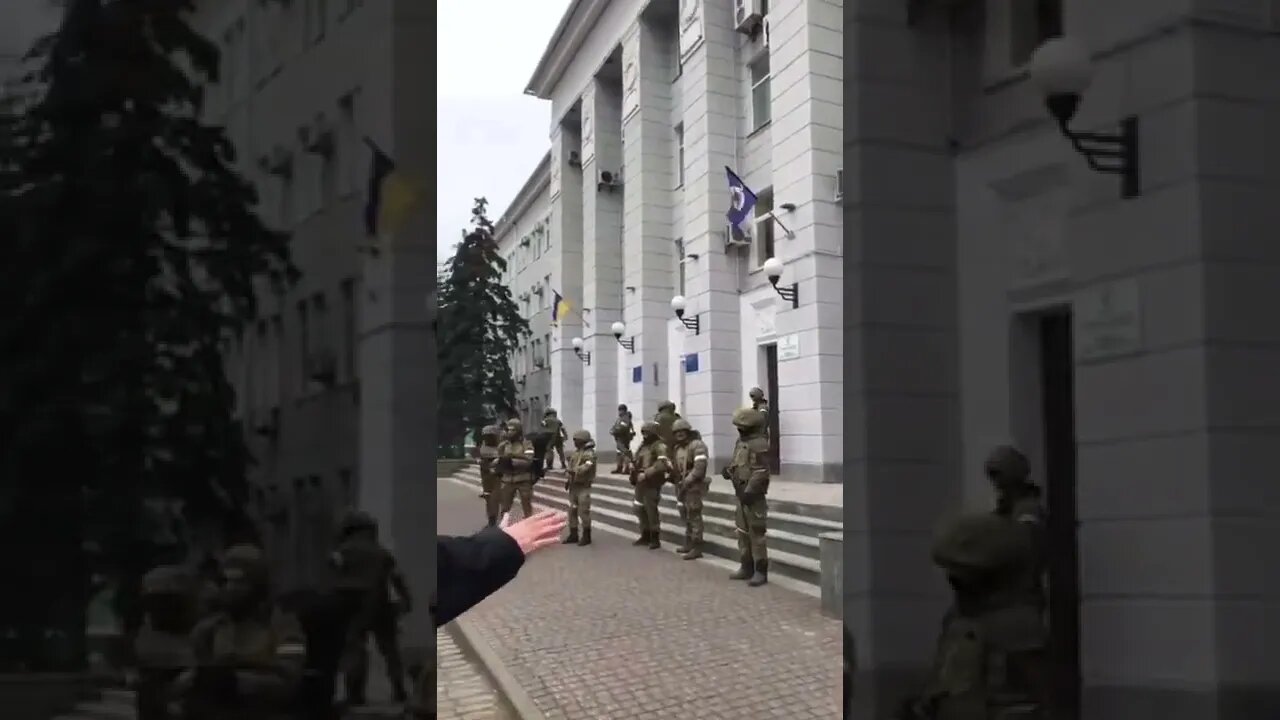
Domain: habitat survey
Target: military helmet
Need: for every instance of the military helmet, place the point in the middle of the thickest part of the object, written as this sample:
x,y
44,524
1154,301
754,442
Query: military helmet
x,y
666,405
490,431
978,543
583,436
748,418
549,412
622,408
356,520
1006,462
681,424
516,425
755,393
649,428
168,580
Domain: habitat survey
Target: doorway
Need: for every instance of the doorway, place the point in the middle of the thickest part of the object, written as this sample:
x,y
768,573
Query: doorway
x,y
1057,388
771,394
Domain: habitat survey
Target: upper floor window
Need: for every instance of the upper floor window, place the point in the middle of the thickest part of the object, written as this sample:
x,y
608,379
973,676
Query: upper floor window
x,y
680,271
764,225
1031,22
679,131
761,98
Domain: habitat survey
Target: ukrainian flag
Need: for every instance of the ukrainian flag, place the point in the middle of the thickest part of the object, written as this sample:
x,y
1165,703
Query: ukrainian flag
x,y
392,196
560,307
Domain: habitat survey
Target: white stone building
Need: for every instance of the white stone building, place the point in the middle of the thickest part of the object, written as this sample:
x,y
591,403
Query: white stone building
x,y
650,102
524,241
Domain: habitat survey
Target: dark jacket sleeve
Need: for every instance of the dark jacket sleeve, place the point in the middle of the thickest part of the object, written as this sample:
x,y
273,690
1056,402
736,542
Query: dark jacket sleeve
x,y
471,569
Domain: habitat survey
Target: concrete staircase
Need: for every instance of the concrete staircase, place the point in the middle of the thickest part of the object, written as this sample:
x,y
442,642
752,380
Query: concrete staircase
x,y
793,527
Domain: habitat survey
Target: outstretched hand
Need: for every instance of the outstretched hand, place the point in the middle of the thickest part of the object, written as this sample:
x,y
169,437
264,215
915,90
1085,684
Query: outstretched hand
x,y
536,531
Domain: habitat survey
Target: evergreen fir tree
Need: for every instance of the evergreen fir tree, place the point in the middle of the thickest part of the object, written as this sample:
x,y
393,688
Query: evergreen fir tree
x,y
479,328
133,255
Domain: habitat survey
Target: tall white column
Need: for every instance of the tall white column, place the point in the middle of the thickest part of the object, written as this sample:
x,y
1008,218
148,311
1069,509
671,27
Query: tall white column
x,y
712,118
602,251
566,248
649,151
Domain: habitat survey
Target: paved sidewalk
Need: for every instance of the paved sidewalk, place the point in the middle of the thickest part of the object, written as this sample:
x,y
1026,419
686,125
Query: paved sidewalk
x,y
462,690
612,632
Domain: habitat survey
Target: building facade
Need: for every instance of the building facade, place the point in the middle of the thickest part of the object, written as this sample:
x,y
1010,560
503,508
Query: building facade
x,y
524,242
650,102
304,86
1006,291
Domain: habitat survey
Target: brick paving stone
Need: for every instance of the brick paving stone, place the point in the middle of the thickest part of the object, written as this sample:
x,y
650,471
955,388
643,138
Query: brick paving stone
x,y
463,692
612,632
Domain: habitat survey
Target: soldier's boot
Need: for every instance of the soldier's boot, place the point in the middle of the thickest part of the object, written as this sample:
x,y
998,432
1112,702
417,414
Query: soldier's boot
x,y
695,551
642,540
572,537
586,538
745,570
687,545
655,540
761,575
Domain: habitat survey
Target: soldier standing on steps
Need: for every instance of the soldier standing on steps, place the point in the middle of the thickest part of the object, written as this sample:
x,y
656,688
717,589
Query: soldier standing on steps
x,y
691,484
557,435
649,472
623,433
581,472
758,403
487,453
515,465
749,473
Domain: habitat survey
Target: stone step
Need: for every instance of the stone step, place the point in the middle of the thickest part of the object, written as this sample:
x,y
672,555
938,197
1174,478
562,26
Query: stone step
x,y
716,504
617,512
788,536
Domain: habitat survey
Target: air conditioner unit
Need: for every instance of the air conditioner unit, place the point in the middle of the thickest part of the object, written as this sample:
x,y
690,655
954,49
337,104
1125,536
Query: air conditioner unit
x,y
575,160
839,184
747,15
735,237
764,33
607,180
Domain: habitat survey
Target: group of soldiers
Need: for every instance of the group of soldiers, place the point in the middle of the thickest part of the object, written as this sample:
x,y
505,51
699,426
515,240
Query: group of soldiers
x,y
228,647
671,452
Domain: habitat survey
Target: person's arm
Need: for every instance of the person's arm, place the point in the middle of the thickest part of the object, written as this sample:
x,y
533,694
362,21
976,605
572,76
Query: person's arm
x,y
471,569
524,461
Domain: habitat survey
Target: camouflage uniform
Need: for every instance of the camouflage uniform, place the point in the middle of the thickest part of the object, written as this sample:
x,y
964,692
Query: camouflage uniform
x,y
163,645
692,483
515,466
760,404
364,571
581,473
249,656
487,453
650,470
990,661
623,433
665,419
749,473
555,428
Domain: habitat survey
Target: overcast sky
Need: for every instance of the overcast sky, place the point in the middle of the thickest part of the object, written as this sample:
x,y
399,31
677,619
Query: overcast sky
x,y
491,135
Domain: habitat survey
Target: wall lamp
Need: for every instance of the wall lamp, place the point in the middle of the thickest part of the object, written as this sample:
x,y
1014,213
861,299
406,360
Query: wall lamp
x,y
1062,70
584,356
693,323
773,271
618,329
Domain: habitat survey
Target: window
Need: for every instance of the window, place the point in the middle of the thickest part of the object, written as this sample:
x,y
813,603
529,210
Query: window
x,y
348,146
1031,22
320,322
761,101
546,236
680,276
546,349
680,156
304,345
764,225
349,338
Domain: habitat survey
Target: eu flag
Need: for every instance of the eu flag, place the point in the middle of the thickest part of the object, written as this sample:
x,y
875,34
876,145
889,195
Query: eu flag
x,y
742,202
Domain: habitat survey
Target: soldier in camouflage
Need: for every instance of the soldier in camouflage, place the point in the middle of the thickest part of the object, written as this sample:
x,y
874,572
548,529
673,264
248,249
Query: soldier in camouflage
x,y
665,418
249,655
749,473
690,459
163,644
487,454
581,473
1017,498
760,404
649,472
990,661
555,430
515,465
623,433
